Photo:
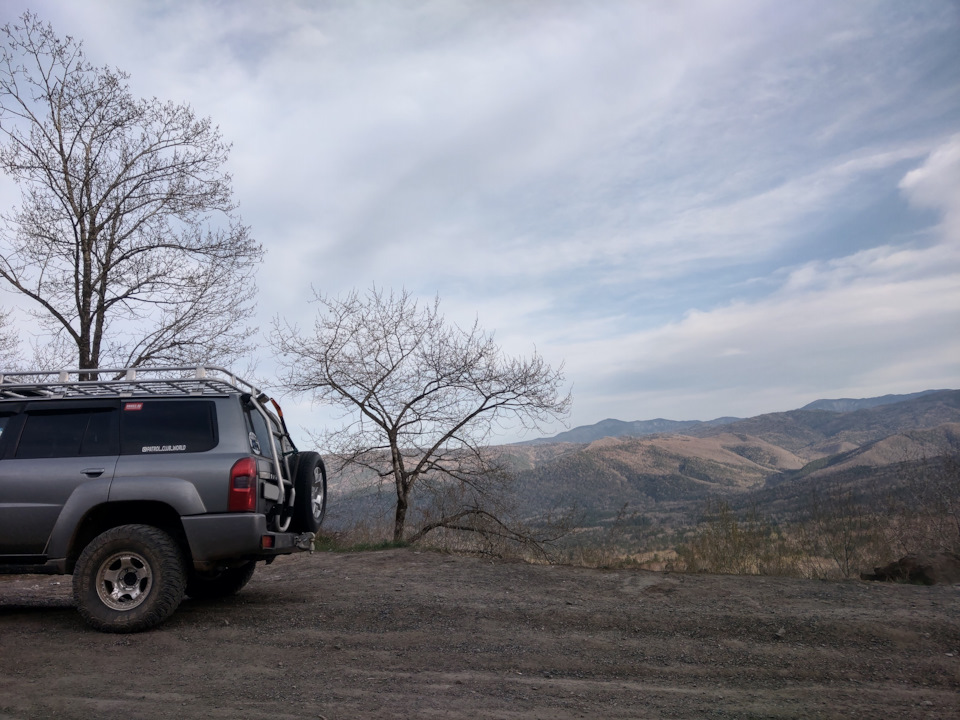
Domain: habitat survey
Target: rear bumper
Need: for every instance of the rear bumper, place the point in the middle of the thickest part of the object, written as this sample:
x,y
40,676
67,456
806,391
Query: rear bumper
x,y
215,539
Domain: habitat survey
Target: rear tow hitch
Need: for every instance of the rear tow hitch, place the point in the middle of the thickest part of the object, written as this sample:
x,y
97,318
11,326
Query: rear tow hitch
x,y
304,541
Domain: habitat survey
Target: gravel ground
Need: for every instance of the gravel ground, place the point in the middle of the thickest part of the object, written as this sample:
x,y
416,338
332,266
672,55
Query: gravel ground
x,y
402,634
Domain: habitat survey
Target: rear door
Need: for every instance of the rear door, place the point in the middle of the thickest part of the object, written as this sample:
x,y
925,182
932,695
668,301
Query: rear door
x,y
264,436
58,447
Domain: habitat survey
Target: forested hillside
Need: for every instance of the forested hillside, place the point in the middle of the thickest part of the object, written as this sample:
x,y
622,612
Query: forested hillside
x,y
786,468
737,459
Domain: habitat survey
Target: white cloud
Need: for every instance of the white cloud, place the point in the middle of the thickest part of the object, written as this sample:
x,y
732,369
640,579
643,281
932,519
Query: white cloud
x,y
936,185
877,321
859,338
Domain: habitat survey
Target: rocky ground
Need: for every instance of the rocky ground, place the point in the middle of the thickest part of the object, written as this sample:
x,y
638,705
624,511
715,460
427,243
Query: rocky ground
x,y
402,634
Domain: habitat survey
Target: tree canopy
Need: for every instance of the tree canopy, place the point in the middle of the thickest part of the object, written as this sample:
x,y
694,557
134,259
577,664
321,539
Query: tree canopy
x,y
126,242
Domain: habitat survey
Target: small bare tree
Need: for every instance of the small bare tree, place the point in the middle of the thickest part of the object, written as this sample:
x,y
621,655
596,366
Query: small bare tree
x,y
421,399
841,524
750,545
126,241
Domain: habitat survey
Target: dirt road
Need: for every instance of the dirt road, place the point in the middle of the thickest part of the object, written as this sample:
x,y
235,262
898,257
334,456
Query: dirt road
x,y
399,634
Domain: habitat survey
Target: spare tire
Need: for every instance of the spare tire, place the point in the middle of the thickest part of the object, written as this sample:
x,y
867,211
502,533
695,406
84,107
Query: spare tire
x,y
310,482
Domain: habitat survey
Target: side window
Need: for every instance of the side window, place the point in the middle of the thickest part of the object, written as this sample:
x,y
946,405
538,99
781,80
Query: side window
x,y
102,435
68,433
159,426
4,421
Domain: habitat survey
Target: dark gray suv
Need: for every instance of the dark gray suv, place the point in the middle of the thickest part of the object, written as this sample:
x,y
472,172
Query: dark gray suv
x,y
148,484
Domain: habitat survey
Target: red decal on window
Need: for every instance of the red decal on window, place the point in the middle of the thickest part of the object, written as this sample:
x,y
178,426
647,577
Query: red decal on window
x,y
133,406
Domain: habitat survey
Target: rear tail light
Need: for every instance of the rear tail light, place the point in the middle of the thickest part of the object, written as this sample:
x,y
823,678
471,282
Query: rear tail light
x,y
243,486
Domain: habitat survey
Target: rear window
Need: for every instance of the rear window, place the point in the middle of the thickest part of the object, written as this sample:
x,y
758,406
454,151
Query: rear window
x,y
157,426
260,437
64,433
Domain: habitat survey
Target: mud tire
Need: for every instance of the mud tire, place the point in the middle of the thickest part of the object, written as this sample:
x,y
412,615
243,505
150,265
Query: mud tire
x,y
129,579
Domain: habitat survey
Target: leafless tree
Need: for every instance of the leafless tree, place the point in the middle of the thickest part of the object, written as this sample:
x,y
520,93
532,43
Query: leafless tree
x,y
421,398
126,241
748,545
843,525
9,344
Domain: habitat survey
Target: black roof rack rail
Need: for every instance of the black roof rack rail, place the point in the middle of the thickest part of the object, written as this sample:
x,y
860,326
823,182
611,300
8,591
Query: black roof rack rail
x,y
176,381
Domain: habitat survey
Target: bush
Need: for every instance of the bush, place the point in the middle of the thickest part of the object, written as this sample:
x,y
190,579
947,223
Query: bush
x,y
723,543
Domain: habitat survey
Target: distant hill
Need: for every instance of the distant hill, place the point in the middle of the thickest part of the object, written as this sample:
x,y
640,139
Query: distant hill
x,y
878,470
620,428
791,423
610,472
816,433
737,458
850,404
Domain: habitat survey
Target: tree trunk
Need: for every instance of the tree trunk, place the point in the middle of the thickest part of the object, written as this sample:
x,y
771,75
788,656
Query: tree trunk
x,y
400,518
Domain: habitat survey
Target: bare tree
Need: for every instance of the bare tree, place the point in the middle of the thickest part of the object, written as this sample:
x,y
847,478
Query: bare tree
x,y
841,525
9,343
421,399
749,545
126,240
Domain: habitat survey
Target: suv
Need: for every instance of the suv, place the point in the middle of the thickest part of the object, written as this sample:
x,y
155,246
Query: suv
x,y
150,485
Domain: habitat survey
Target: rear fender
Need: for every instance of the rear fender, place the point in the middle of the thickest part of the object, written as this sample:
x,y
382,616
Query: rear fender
x,y
179,494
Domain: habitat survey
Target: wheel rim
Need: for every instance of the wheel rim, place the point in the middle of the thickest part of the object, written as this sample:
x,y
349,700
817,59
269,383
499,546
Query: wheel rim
x,y
124,581
317,495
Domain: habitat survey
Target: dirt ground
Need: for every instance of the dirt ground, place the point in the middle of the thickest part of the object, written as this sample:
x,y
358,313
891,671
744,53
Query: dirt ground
x,y
402,634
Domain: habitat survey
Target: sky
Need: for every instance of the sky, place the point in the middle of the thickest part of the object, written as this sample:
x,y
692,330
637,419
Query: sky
x,y
699,208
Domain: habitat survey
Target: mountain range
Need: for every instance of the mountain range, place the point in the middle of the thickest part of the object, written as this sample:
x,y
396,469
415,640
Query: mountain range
x,y
736,458
639,428
670,468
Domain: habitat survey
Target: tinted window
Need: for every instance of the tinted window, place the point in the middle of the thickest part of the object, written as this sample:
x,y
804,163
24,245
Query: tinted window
x,y
260,441
68,433
101,437
157,426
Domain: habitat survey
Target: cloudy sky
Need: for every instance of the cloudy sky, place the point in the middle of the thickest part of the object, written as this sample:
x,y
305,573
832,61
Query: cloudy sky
x,y
701,208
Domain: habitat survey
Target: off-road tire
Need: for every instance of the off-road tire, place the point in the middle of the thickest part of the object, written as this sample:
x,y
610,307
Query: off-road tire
x,y
129,578
203,586
310,482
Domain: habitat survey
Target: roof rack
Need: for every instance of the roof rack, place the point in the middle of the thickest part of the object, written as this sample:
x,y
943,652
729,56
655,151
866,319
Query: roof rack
x,y
195,380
